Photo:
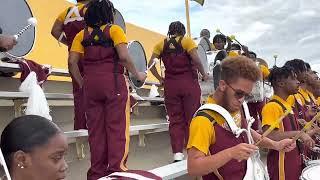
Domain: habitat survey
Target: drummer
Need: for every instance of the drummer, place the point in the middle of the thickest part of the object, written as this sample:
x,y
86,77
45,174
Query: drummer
x,y
283,165
303,101
181,87
219,42
211,145
103,46
65,28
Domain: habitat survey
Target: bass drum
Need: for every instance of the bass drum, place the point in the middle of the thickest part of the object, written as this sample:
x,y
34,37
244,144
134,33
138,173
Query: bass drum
x,y
118,19
14,15
205,42
138,55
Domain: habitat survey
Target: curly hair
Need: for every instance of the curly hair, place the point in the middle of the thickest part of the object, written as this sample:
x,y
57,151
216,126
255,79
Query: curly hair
x,y
233,68
279,73
176,28
99,12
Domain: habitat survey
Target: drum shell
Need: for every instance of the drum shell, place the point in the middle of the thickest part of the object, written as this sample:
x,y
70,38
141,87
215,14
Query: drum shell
x,y
311,172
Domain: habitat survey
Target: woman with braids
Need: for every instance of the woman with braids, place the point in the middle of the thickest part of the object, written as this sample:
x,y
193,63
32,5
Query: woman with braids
x,y
181,88
103,46
34,148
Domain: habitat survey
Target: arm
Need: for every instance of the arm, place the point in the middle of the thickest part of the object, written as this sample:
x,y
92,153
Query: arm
x,y
57,30
126,60
196,60
73,60
154,69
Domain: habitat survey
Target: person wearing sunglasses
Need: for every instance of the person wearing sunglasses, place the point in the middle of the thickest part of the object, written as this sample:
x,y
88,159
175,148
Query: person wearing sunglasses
x,y
213,151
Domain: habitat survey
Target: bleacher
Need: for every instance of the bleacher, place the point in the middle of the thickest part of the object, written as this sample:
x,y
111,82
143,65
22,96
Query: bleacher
x,y
150,143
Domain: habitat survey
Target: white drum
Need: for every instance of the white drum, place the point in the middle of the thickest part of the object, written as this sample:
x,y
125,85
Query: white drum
x,y
257,93
118,20
311,172
313,162
139,59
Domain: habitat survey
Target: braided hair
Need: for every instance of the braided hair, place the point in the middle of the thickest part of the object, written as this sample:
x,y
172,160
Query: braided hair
x,y
176,28
279,73
99,12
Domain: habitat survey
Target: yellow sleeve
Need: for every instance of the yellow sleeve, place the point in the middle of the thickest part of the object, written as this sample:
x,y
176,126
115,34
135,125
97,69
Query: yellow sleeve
x,y
158,48
117,35
265,71
271,112
76,44
201,134
188,44
62,15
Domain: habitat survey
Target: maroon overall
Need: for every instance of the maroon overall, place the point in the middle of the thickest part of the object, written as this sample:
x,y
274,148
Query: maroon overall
x,y
181,90
232,170
255,109
107,106
71,29
292,160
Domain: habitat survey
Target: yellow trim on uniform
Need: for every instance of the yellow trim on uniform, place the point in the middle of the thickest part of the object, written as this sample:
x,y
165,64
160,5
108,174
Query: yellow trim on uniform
x,y
127,111
311,96
304,94
187,43
281,159
116,34
62,15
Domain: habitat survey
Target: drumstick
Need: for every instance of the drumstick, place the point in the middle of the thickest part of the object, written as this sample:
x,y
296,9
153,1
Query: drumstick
x,y
155,61
31,22
234,38
306,127
271,128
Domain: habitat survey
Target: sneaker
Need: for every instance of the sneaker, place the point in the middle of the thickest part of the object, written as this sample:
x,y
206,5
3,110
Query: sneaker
x,y
178,157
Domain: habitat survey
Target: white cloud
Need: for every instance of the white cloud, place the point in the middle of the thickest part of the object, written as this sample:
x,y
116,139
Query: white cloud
x,y
288,28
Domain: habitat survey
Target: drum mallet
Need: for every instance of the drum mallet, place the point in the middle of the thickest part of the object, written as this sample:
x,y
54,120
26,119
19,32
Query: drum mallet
x,y
233,37
218,31
306,127
155,61
271,128
31,23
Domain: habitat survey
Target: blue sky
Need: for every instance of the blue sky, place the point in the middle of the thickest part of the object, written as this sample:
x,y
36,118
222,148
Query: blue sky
x,y
288,28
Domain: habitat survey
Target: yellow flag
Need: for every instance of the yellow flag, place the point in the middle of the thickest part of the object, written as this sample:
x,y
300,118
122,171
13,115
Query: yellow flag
x,y
201,2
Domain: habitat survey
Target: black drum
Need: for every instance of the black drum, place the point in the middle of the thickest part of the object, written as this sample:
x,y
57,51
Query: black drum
x,y
14,15
139,59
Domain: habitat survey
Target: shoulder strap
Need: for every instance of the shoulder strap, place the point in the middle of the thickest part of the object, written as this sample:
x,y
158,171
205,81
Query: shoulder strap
x,y
101,41
292,120
73,10
206,115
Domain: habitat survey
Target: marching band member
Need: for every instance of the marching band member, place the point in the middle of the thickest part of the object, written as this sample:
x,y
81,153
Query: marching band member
x,y
181,87
283,165
105,55
213,151
66,26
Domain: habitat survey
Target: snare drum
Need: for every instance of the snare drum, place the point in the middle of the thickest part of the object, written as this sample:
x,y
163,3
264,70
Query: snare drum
x,y
311,172
138,55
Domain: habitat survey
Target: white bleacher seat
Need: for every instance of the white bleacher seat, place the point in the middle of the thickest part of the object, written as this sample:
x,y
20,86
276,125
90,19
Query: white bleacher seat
x,y
171,171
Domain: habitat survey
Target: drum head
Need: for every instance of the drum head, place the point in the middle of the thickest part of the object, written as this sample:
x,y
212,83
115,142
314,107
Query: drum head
x,y
14,15
203,58
311,172
118,20
139,59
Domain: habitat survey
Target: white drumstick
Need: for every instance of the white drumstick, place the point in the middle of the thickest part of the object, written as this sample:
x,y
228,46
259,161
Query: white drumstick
x,y
155,61
31,23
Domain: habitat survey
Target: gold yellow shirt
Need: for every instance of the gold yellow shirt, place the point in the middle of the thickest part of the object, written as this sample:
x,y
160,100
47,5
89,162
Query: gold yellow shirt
x,y
201,131
116,33
62,15
272,111
187,44
304,95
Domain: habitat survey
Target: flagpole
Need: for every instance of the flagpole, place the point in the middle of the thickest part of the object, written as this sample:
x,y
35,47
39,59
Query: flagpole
x,y
188,18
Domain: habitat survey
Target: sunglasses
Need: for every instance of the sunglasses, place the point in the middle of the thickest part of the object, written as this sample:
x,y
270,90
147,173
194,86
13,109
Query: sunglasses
x,y
239,93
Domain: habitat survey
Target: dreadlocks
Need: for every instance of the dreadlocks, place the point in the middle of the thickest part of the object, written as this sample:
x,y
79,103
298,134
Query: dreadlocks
x,y
176,28
298,65
99,12
279,73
